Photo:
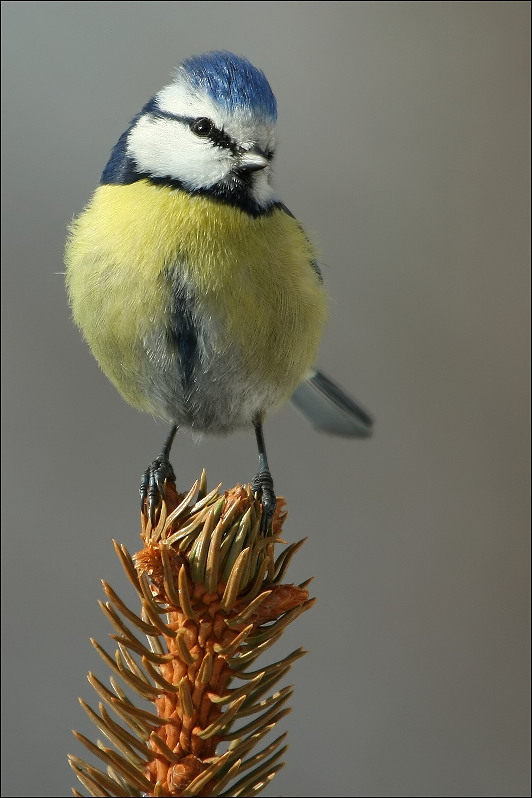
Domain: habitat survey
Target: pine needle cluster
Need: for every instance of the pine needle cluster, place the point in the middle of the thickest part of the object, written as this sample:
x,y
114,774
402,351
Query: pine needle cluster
x,y
212,601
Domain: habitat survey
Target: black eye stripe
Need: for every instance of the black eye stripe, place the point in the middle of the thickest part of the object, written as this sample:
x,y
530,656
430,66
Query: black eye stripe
x,y
217,136
221,139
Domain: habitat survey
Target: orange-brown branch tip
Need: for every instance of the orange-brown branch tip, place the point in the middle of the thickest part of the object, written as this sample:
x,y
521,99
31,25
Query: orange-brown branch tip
x,y
211,603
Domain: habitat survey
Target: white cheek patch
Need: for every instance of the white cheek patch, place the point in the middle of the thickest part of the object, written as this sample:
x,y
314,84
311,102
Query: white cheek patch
x,y
167,148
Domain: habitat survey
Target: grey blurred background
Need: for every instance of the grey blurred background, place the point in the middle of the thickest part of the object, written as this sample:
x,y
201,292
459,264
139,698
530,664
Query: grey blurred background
x,y
404,149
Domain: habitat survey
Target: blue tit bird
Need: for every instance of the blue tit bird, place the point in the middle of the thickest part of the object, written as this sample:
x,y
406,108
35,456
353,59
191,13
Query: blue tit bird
x,y
197,290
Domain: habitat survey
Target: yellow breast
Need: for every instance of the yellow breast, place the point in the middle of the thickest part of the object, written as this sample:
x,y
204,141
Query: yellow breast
x,y
252,278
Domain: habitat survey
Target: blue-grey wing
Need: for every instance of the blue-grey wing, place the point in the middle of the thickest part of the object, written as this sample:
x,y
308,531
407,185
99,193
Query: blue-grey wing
x,y
329,409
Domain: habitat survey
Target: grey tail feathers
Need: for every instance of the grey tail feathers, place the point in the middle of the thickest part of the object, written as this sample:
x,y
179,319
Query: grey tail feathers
x,y
329,409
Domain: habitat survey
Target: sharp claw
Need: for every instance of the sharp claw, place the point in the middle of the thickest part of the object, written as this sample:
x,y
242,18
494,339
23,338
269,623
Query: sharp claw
x,y
144,482
262,486
152,485
268,511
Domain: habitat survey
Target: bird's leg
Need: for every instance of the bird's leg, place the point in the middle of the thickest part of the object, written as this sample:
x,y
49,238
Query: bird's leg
x,y
153,479
262,484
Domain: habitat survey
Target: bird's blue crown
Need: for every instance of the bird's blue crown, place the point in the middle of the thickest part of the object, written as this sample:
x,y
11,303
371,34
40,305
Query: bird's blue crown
x,y
231,81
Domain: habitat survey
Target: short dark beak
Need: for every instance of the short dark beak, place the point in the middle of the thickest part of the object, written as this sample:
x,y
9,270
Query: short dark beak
x,y
253,160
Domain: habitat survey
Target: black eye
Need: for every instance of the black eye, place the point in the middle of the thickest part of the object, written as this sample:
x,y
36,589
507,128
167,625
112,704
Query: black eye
x,y
202,126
